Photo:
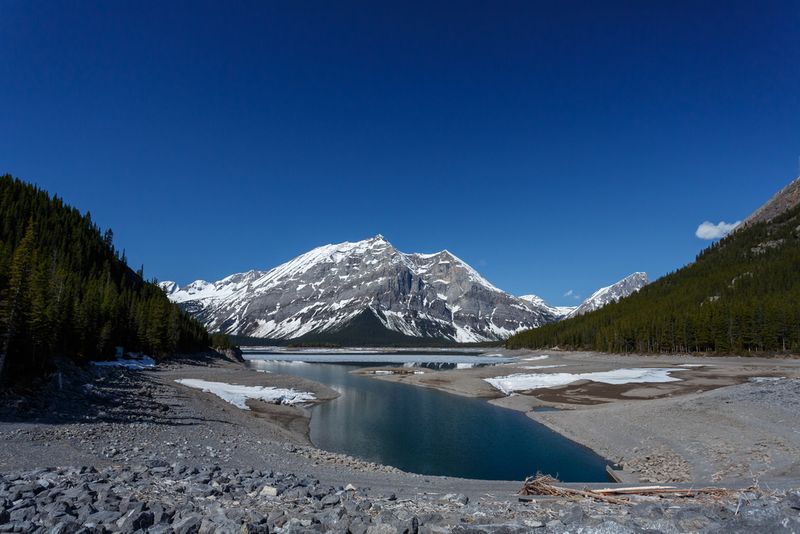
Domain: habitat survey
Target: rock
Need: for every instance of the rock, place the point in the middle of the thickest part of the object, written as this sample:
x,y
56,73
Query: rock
x,y
793,500
531,523
381,528
102,517
251,528
187,525
407,525
350,487
268,491
358,526
68,526
612,527
134,520
456,498
492,529
21,515
330,500
572,515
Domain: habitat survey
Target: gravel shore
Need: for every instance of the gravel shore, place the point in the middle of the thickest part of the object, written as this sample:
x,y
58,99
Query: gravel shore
x,y
726,420
116,450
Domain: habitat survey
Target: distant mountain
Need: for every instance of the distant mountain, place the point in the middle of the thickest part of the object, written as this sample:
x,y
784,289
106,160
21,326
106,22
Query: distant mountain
x,y
559,311
334,287
605,295
741,295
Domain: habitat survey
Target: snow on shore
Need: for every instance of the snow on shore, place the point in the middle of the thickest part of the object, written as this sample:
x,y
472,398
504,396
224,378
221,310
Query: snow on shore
x,y
238,395
536,358
523,382
140,362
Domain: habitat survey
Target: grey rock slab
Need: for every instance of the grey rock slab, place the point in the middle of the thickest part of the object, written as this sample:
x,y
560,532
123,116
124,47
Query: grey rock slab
x,y
187,525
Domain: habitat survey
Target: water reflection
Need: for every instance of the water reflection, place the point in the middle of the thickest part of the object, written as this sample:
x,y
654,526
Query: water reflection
x,y
431,432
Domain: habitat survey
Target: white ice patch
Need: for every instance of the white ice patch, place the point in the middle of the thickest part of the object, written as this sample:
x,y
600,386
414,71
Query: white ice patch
x,y
238,395
542,366
380,358
143,362
536,358
523,382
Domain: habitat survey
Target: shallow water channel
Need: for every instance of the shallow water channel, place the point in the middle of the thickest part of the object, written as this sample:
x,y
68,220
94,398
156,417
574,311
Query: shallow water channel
x,y
427,431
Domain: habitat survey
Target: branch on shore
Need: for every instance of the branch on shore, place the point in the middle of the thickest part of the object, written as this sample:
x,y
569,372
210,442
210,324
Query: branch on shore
x,y
546,485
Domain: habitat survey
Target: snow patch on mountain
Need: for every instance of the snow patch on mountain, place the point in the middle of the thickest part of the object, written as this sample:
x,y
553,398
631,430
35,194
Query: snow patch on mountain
x,y
423,295
558,311
606,295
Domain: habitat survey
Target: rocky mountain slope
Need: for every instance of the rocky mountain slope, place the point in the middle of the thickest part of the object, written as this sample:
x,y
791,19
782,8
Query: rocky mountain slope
x,y
559,311
605,295
784,200
420,295
741,295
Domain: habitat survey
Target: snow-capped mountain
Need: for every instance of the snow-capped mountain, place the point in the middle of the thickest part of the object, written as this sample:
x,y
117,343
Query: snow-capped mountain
x,y
422,295
559,311
627,286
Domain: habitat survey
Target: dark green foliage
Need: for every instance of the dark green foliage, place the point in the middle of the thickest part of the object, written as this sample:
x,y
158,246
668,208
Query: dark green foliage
x,y
740,296
64,290
221,341
366,330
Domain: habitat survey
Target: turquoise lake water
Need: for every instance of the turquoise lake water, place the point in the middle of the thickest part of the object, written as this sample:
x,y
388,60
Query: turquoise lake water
x,y
431,432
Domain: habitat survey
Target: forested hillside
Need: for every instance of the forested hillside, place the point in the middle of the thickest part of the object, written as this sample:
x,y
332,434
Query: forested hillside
x,y
741,295
65,290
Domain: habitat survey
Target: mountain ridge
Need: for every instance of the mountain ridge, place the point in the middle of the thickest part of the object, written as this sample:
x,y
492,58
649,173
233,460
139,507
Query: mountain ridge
x,y
434,295
782,201
606,295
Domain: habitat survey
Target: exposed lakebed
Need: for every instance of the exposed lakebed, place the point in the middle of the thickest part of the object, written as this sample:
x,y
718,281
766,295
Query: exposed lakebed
x,y
428,431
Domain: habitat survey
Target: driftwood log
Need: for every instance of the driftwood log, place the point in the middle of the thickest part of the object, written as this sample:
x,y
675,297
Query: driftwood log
x,y
547,486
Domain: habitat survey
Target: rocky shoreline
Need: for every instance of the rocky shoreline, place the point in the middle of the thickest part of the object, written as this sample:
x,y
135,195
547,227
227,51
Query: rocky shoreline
x,y
159,497
115,450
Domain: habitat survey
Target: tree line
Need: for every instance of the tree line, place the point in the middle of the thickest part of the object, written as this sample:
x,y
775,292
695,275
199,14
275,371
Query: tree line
x,y
65,290
740,296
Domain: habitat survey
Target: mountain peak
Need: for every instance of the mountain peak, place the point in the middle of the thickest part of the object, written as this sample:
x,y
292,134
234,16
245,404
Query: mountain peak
x,y
606,295
559,311
325,289
635,276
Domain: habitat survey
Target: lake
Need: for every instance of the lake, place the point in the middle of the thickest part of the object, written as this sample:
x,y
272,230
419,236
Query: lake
x,y
427,431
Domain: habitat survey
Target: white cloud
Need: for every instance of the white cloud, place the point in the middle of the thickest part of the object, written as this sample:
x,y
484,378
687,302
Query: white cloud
x,y
571,293
709,230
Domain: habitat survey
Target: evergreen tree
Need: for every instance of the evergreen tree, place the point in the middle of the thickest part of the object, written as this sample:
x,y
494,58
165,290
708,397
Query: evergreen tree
x,y
739,296
64,290
14,305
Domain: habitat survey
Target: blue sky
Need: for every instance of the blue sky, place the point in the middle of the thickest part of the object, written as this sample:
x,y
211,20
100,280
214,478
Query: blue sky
x,y
555,146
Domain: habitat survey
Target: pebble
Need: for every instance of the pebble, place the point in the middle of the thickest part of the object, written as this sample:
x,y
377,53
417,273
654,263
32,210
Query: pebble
x,y
131,499
135,490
